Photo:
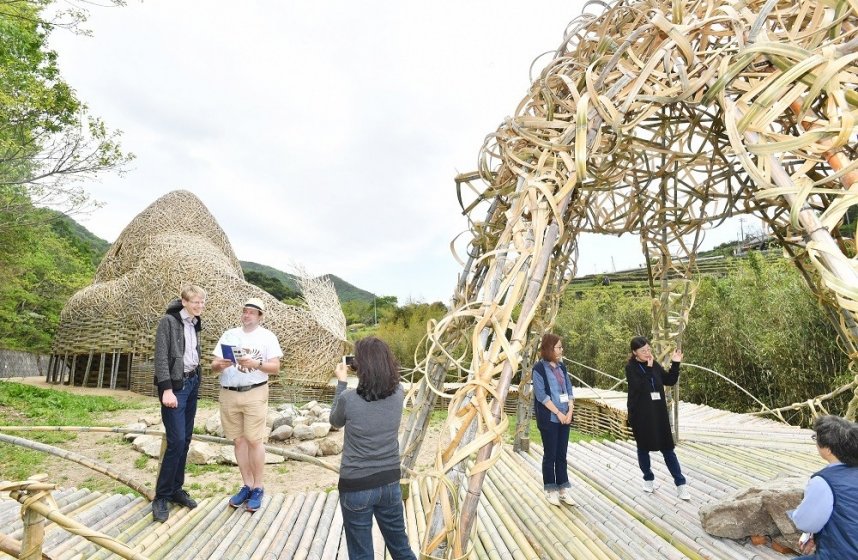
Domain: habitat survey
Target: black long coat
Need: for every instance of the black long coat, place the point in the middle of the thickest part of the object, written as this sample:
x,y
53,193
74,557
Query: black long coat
x,y
648,418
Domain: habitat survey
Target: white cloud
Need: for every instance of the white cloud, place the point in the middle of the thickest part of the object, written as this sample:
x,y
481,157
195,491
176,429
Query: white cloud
x,y
326,133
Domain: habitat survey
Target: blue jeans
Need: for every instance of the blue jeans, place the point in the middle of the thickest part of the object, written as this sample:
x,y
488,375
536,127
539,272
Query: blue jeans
x,y
670,460
385,502
178,427
555,443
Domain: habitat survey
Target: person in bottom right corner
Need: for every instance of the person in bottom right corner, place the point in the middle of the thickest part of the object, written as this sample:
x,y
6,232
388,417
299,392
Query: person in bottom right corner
x,y
648,412
829,510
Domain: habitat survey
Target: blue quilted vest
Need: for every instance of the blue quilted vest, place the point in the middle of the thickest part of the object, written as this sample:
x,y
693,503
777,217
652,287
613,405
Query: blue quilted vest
x,y
838,540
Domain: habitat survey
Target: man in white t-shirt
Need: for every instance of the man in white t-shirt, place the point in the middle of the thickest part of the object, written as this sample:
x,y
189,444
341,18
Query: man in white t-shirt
x,y
245,356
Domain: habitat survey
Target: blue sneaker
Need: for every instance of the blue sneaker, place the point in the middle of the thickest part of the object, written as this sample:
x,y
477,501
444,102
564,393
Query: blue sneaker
x,y
255,500
241,497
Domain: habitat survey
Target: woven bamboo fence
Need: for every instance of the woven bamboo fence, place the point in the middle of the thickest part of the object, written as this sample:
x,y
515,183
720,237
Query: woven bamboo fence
x,y
660,118
107,330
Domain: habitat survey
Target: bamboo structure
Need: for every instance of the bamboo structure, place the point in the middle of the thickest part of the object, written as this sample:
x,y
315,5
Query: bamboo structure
x,y
655,117
107,330
612,520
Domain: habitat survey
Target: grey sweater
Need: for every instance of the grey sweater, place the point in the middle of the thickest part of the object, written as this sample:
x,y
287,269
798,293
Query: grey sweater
x,y
370,446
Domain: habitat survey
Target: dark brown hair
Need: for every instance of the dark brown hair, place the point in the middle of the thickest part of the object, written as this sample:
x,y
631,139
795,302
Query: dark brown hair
x,y
377,369
546,348
840,436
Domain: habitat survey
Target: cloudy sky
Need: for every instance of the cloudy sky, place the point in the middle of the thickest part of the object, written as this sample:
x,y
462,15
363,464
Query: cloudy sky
x,y
325,133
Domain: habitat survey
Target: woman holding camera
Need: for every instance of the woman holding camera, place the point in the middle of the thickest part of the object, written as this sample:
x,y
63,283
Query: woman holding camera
x,y
829,509
370,466
648,412
553,408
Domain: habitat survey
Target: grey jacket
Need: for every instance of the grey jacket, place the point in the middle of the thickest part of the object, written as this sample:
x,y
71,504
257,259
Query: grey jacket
x,y
170,348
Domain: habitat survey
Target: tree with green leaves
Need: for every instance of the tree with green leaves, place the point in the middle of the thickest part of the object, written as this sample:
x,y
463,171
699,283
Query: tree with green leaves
x,y
49,145
49,142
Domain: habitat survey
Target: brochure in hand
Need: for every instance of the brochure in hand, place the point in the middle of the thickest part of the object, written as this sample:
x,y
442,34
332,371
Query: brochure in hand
x,y
232,353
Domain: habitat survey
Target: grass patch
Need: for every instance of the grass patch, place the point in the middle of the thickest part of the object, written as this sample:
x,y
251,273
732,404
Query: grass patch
x,y
22,404
195,470
106,485
141,462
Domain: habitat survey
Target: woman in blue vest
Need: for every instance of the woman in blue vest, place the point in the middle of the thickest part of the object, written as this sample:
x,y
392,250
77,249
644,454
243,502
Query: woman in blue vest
x,y
648,412
829,510
553,406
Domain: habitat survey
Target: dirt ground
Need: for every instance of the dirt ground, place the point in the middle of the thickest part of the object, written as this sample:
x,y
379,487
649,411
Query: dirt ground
x,y
200,481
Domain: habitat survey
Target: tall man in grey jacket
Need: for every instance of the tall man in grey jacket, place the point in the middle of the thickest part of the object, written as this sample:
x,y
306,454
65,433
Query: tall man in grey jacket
x,y
177,375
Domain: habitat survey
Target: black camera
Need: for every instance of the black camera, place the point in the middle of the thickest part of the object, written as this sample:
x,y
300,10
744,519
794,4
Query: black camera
x,y
349,360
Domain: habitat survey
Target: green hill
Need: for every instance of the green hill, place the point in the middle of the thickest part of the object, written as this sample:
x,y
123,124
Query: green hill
x,y
345,291
93,248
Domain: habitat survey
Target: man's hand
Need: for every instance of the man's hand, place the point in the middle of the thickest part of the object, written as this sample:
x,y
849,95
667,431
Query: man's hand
x,y
808,547
220,364
169,400
341,371
248,362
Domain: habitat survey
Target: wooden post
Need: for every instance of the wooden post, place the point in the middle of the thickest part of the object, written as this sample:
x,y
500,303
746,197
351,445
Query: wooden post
x,y
34,533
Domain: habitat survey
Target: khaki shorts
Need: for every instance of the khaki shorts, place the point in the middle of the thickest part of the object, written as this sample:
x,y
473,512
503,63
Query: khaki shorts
x,y
244,413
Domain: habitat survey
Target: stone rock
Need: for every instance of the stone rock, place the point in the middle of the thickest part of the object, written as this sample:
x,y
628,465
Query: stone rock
x,y
329,446
303,432
299,421
317,411
150,445
201,453
325,416
283,419
281,433
134,426
271,417
320,429
150,420
288,409
310,405
213,425
756,510
310,448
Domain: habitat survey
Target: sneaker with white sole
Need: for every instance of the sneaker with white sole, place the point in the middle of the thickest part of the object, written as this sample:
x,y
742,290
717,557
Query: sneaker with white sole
x,y
566,498
682,492
649,486
552,497
240,497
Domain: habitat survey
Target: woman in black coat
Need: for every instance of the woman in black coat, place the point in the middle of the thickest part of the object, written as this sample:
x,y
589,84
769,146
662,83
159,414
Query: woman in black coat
x,y
648,412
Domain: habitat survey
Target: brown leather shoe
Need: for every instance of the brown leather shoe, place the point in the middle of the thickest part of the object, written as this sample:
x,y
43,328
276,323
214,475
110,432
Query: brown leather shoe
x,y
160,510
183,499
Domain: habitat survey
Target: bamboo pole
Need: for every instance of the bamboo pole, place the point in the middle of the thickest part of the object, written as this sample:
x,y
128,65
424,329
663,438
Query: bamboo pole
x,y
145,431
23,494
93,464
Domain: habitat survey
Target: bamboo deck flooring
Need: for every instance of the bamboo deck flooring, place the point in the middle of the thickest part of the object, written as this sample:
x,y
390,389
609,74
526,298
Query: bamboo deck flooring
x,y
614,518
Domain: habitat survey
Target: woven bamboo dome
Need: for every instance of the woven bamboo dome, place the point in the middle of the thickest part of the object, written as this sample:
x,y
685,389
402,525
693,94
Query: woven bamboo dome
x,y
107,330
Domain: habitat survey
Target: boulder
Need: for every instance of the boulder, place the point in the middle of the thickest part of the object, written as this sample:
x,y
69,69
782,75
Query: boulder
x,y
135,426
329,446
201,453
152,420
213,425
283,419
756,510
320,429
150,445
271,417
310,448
281,433
303,432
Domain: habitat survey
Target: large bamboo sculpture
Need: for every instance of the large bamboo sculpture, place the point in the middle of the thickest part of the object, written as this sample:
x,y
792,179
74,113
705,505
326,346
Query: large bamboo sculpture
x,y
174,242
659,118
